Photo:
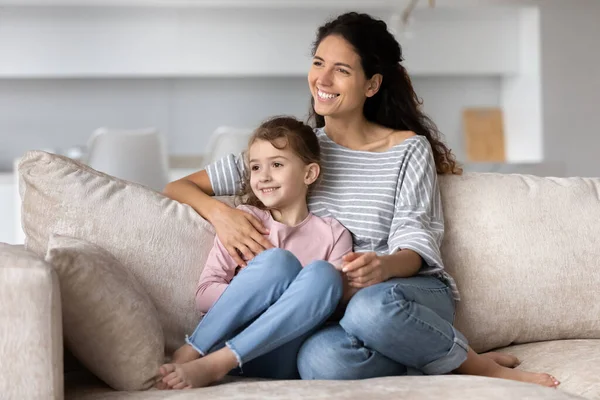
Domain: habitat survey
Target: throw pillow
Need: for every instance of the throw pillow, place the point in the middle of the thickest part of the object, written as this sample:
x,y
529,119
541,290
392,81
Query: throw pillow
x,y
109,322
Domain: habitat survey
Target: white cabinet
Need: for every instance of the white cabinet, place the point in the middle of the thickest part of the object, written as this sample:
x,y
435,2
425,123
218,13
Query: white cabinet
x,y
8,217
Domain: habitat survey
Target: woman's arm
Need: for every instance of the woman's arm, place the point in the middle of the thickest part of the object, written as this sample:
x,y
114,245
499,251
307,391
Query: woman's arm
x,y
237,230
196,191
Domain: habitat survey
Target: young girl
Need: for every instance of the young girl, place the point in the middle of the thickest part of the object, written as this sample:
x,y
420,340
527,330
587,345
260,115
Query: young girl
x,y
259,318
381,157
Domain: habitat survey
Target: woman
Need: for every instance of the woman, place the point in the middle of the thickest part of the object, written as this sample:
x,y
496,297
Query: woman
x,y
380,160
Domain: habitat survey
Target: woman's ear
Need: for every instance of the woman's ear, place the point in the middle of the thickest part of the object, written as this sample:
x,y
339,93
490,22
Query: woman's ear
x,y
311,174
373,85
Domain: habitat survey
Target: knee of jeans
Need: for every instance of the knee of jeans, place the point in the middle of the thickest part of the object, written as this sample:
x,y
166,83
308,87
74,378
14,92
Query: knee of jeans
x,y
365,312
276,264
325,278
318,359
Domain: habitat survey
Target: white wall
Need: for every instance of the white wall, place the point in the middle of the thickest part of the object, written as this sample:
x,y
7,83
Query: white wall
x,y
50,113
571,84
162,41
120,64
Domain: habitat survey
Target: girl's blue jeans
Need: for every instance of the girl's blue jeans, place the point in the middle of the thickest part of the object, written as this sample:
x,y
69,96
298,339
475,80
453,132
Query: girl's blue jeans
x,y
267,312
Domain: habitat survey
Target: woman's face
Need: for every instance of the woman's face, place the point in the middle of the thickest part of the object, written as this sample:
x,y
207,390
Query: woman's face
x,y
336,79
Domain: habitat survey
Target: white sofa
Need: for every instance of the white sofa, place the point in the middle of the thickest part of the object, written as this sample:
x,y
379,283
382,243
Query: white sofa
x,y
524,251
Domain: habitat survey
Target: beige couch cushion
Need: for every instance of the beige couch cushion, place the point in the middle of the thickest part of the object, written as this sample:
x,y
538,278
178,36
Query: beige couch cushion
x,y
31,358
110,323
524,251
163,243
446,387
575,363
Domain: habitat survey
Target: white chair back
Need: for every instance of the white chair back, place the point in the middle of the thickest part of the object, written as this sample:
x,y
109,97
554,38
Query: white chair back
x,y
138,155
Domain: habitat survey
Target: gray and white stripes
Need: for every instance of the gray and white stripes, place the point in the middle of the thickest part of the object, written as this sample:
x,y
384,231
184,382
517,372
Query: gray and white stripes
x,y
388,200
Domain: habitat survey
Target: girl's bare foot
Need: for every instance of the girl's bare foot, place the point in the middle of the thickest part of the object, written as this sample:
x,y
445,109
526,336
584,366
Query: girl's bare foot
x,y
200,372
182,355
185,353
503,359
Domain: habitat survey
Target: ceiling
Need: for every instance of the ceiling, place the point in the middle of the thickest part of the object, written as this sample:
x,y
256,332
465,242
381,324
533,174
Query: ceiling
x,y
264,3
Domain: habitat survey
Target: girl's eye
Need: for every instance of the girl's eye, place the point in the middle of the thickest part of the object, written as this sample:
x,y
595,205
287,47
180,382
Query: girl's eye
x,y
254,168
277,165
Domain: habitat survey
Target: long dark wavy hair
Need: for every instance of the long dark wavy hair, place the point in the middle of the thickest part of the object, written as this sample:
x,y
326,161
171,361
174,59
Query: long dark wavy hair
x,y
301,140
395,105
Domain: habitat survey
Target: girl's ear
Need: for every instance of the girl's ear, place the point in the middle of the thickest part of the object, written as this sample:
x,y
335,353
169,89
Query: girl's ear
x,y
311,174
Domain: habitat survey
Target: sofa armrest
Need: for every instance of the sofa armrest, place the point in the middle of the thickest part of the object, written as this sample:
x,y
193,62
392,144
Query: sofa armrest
x,y
31,343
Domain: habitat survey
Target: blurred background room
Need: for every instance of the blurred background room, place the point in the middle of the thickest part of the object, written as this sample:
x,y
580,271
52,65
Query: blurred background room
x,y
152,90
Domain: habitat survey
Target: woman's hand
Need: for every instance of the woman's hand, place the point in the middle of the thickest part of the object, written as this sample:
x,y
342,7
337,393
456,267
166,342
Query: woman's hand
x,y
240,232
364,269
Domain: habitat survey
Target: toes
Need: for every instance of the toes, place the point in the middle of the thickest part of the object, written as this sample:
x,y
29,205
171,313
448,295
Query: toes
x,y
166,369
175,381
180,385
169,377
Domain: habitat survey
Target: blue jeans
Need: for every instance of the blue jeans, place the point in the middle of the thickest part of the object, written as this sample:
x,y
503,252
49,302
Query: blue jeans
x,y
398,327
267,311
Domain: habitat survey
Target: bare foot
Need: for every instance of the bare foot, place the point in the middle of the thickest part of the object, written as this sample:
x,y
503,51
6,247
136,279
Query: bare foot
x,y
524,376
503,359
477,364
201,372
184,354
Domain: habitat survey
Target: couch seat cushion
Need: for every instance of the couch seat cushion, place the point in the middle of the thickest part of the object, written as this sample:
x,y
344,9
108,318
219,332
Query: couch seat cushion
x,y
447,387
575,363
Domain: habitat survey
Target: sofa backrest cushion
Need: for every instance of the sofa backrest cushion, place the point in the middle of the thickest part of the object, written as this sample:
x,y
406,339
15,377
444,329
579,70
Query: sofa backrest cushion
x,y
163,243
525,252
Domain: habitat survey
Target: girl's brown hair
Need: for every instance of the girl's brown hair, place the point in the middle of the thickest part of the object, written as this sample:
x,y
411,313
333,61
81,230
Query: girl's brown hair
x,y
300,138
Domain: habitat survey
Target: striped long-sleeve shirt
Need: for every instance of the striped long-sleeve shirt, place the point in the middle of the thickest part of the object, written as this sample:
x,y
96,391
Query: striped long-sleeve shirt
x,y
388,200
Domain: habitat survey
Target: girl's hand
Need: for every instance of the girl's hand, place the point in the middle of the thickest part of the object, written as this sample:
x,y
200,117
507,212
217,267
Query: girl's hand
x,y
240,232
364,269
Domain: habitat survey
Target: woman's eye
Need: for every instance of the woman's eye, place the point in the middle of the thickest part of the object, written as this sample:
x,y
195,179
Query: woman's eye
x,y
317,63
343,71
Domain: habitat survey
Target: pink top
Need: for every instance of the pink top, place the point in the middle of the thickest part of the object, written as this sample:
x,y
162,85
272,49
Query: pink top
x,y
312,239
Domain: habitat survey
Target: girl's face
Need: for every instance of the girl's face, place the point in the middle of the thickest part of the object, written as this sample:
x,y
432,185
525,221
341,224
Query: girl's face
x,y
337,81
278,178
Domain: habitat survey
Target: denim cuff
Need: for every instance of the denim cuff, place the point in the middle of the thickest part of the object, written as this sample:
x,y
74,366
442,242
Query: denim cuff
x,y
188,341
451,360
235,352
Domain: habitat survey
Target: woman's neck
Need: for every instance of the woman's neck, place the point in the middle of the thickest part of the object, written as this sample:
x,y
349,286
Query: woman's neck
x,y
290,215
352,132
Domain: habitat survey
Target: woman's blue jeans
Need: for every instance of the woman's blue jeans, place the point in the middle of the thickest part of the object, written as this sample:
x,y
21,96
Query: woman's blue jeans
x,y
267,312
398,327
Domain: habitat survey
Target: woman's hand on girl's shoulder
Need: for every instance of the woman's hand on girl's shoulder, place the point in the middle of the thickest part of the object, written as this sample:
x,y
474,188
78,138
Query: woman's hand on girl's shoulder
x,y
240,231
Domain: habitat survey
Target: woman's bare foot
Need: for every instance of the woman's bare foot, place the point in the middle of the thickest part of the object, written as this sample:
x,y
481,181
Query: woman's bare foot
x,y
201,372
477,364
503,359
182,355
524,376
